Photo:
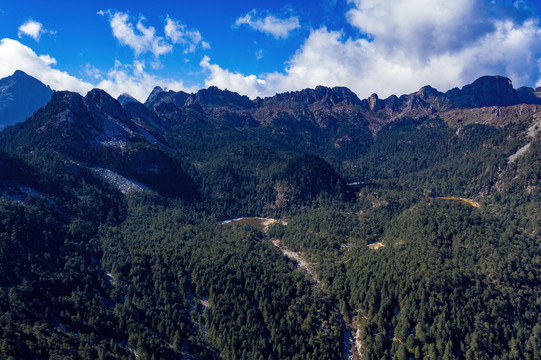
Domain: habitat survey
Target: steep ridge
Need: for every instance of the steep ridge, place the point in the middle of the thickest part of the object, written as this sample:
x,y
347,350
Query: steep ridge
x,y
99,132
333,109
143,141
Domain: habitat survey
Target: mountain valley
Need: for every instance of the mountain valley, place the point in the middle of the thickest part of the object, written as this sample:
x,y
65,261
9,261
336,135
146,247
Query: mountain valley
x,y
113,243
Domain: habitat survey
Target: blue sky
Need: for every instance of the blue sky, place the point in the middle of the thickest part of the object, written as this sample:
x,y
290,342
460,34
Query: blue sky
x,y
259,48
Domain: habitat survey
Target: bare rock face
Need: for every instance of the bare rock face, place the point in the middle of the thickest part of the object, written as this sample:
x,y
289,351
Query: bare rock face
x,y
154,96
374,103
487,91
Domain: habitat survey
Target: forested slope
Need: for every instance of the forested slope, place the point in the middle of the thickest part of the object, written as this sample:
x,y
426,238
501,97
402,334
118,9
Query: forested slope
x,y
91,272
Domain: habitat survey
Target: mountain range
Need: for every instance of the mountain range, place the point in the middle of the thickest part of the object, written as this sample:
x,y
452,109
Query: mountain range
x,y
136,140
405,227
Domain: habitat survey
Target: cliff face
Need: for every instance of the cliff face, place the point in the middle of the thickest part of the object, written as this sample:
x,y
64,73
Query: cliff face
x,y
485,91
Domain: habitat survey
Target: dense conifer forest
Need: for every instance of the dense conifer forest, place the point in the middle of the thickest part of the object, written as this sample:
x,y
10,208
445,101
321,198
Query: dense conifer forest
x,y
423,242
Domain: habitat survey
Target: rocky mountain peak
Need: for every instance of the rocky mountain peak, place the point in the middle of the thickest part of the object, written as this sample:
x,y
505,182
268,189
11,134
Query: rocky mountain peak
x,y
347,95
19,73
154,95
156,90
428,92
171,98
214,96
125,98
528,95
21,95
99,96
101,103
70,100
320,94
487,91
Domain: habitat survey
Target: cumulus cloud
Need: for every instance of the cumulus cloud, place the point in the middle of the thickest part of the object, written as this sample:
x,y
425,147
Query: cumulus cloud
x,y
16,56
179,34
424,27
33,29
134,80
139,38
122,78
401,46
250,85
92,72
269,24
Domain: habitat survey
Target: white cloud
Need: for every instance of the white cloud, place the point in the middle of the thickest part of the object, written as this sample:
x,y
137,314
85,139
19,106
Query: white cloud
x,y
140,39
134,80
269,24
92,72
122,78
179,34
423,26
16,56
328,58
33,29
409,44
250,85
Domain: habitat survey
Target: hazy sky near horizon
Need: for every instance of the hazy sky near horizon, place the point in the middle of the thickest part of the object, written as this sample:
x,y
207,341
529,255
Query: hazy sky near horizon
x,y
259,48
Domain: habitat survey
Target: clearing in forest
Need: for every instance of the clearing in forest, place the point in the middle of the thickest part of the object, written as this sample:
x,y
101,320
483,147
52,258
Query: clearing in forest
x,y
260,223
475,204
375,245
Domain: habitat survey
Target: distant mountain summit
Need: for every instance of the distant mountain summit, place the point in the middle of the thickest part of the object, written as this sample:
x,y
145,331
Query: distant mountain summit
x,y
20,96
126,98
140,140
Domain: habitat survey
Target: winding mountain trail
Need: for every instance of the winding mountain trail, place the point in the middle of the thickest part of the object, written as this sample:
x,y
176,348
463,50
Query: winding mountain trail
x,y
351,342
295,256
351,346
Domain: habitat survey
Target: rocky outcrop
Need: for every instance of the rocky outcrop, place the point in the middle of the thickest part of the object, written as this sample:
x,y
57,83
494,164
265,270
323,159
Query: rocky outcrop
x,y
333,113
216,97
328,107
158,97
321,94
485,91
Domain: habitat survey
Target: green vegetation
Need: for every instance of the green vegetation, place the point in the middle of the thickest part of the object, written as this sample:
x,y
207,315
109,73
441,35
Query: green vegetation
x,y
90,273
